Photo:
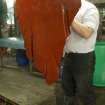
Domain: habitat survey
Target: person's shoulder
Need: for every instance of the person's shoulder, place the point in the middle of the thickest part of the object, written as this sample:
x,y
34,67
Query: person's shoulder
x,y
90,5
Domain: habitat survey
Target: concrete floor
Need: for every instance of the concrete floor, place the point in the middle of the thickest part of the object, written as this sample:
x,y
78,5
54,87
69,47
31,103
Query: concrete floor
x,y
24,88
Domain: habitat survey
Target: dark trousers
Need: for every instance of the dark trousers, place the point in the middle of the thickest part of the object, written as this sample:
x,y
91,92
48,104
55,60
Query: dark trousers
x,y
76,76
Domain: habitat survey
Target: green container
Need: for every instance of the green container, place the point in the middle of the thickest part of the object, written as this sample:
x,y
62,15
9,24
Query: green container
x,y
99,74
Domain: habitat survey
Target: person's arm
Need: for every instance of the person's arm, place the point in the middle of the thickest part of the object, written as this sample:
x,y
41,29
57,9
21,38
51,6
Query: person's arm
x,y
89,24
82,29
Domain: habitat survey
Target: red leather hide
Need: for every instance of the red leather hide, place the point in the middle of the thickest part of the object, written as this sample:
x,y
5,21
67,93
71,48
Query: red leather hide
x,y
44,26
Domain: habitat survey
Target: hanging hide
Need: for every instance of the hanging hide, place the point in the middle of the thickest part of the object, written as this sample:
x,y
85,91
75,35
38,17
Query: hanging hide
x,y
45,26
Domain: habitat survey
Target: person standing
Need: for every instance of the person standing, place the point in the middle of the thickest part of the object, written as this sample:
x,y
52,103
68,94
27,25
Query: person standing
x,y
79,56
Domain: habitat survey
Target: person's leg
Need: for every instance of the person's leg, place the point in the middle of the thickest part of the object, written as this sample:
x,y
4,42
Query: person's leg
x,y
61,98
67,81
83,76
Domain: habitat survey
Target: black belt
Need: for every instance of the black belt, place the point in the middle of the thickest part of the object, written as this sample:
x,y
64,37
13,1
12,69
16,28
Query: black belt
x,y
72,53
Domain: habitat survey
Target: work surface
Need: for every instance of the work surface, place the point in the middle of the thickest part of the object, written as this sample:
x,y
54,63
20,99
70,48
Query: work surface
x,y
24,88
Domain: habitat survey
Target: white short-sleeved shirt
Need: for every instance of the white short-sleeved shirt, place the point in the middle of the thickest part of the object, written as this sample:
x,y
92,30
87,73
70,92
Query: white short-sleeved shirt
x,y
89,15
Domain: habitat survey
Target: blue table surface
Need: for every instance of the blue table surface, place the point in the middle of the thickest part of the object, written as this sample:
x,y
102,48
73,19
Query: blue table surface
x,y
12,42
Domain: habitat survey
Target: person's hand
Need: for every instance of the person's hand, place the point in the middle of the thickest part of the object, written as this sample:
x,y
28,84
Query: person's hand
x,y
81,29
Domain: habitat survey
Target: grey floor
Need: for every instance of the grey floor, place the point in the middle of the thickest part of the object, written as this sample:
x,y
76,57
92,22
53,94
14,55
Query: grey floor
x,y
24,88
